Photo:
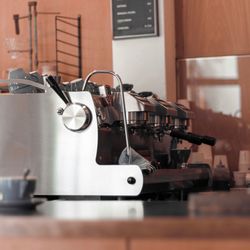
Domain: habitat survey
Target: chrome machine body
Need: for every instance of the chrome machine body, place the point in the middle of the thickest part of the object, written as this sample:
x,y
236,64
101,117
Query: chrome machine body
x,y
73,143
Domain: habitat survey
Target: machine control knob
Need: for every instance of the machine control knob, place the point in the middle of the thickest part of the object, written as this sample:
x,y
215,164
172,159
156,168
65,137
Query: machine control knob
x,y
76,117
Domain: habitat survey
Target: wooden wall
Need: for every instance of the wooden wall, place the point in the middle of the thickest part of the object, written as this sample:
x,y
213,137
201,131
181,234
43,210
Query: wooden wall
x,y
96,31
170,51
212,27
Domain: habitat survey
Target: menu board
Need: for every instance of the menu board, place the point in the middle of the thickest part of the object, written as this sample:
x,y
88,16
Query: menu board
x,y
134,18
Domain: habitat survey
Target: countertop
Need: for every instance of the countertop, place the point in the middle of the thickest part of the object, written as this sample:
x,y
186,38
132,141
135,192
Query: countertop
x,y
121,225
121,219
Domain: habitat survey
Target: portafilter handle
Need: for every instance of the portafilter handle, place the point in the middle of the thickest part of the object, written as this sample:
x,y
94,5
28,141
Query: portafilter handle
x,y
208,140
193,138
180,134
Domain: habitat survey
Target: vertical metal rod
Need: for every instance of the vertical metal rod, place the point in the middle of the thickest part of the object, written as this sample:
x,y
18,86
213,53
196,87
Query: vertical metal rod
x,y
128,149
56,46
30,40
79,46
35,36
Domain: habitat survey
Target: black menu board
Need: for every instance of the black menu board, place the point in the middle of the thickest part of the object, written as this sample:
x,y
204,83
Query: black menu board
x,y
134,18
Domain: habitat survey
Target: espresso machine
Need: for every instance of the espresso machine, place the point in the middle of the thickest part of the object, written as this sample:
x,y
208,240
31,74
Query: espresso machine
x,y
87,139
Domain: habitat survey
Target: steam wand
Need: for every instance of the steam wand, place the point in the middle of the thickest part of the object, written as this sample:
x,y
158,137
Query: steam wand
x,y
122,100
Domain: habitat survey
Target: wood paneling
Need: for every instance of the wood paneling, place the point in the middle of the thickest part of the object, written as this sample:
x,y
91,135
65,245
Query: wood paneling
x,y
39,233
212,28
194,244
115,244
170,54
158,227
61,244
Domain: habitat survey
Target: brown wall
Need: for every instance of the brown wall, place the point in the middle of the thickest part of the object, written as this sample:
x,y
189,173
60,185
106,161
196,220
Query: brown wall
x,y
212,27
96,32
170,52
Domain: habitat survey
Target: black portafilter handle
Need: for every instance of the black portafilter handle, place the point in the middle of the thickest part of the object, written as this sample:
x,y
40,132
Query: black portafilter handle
x,y
16,20
193,138
54,85
208,140
180,134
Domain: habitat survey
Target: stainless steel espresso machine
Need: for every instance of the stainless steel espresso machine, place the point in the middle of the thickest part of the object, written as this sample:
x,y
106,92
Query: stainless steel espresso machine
x,y
86,139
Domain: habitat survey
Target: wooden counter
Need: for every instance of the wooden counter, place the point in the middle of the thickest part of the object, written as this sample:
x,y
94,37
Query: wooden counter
x,y
120,225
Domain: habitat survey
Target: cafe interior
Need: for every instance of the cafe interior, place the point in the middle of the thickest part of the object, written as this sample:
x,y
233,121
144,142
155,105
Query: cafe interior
x,y
124,124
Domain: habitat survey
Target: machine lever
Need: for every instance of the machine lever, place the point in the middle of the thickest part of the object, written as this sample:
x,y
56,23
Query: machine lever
x,y
54,85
